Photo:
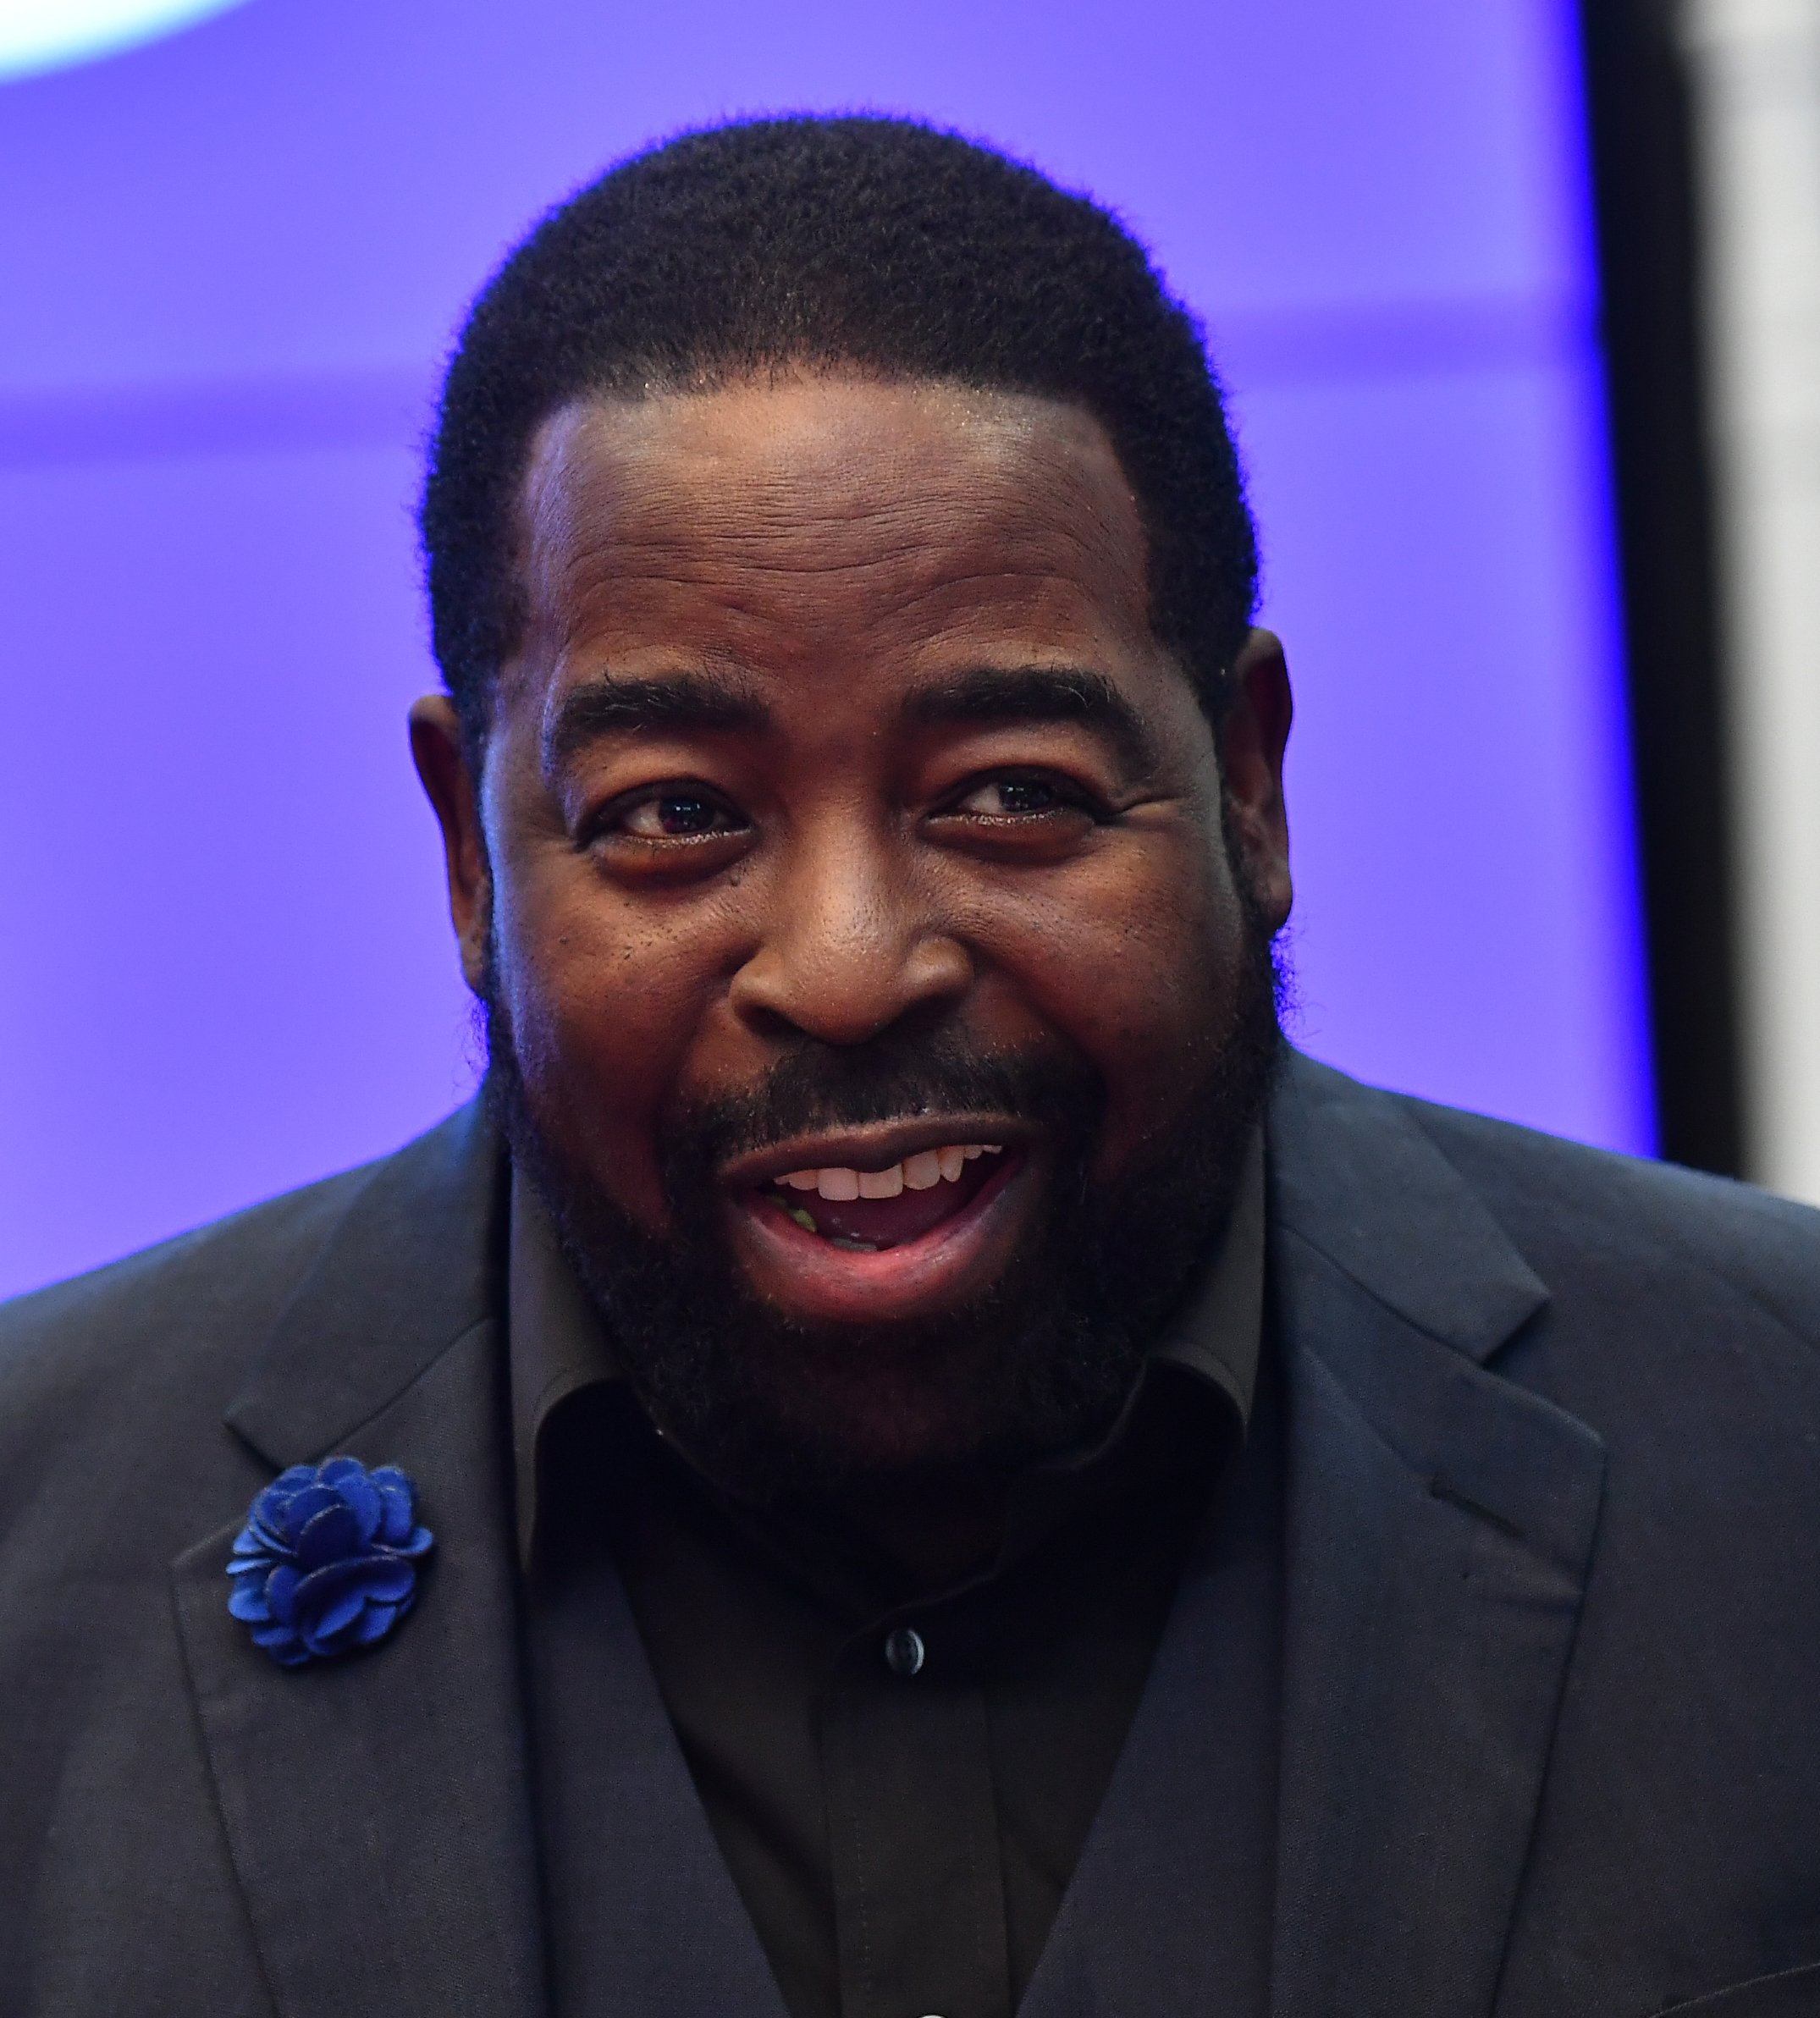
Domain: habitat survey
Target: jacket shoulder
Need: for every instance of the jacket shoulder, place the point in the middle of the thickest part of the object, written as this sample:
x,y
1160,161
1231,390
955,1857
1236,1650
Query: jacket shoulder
x,y
1576,1210
148,1351
1637,1255
250,1259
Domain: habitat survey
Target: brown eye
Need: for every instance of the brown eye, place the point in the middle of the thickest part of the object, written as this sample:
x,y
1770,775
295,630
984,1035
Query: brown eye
x,y
676,816
1009,798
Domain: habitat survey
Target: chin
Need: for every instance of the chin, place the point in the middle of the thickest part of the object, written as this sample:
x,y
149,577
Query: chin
x,y
850,1410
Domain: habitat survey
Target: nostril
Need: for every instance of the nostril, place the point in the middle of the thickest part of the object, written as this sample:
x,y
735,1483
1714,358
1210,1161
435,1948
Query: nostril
x,y
770,1023
853,997
779,1026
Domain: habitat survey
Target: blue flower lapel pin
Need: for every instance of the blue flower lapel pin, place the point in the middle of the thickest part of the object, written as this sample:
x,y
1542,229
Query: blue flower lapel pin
x,y
327,1560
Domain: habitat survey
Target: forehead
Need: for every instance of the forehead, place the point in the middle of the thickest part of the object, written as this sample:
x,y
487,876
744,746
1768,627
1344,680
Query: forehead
x,y
788,523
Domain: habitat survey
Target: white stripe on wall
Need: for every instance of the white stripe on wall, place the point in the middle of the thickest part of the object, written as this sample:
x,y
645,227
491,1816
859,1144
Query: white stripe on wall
x,y
1756,68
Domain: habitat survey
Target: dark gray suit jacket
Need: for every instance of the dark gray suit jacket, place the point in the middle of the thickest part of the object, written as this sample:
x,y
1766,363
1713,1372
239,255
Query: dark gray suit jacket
x,y
1551,1713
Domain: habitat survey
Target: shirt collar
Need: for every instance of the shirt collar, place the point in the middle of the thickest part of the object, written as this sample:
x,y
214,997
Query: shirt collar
x,y
1218,1327
558,1345
555,1342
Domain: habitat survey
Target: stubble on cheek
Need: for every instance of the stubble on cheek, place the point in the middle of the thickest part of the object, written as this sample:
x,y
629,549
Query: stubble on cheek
x,y
579,1040
1169,986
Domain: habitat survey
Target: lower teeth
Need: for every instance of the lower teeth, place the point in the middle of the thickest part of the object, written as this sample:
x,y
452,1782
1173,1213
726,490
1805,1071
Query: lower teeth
x,y
805,1219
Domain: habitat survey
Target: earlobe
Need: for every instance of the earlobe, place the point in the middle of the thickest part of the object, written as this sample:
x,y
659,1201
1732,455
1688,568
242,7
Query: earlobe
x,y
438,750
1252,740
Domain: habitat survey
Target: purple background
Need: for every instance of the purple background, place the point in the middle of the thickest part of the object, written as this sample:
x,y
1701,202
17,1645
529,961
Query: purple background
x,y
232,260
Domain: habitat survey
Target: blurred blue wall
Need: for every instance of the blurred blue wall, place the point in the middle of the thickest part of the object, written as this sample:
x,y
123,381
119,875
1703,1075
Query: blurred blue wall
x,y
230,261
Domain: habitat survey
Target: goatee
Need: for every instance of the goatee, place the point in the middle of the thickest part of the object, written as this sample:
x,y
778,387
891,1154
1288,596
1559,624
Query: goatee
x,y
1042,1360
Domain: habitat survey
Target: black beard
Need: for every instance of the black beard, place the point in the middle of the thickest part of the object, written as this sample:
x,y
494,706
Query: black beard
x,y
1042,1360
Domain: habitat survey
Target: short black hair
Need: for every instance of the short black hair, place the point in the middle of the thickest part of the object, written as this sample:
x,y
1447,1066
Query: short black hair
x,y
821,242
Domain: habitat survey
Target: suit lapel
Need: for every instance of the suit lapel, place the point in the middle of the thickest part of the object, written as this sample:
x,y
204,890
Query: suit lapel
x,y
377,1807
1440,1525
1168,1911
646,1917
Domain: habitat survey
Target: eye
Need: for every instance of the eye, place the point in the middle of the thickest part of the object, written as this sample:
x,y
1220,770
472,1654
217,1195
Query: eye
x,y
670,813
677,816
1006,796
1019,796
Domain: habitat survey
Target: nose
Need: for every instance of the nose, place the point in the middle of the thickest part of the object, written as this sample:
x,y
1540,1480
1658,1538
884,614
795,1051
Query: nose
x,y
847,949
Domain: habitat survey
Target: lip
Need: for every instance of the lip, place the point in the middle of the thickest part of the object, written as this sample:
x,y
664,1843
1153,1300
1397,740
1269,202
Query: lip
x,y
812,1280
875,1147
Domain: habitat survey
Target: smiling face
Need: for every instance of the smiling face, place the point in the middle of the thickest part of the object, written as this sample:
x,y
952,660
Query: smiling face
x,y
849,882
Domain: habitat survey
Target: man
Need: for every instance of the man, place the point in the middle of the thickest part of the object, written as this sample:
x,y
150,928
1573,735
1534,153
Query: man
x,y
908,1458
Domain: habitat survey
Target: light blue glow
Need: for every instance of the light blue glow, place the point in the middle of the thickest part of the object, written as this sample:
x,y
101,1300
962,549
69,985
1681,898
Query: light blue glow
x,y
50,34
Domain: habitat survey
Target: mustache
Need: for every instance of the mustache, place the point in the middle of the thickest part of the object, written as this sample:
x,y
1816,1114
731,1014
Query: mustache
x,y
818,1087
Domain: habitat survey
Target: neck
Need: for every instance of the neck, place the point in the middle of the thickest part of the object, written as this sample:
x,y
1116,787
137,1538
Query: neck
x,y
935,1531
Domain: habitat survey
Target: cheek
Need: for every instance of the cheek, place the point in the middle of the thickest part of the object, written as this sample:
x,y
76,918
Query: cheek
x,y
1135,958
603,1004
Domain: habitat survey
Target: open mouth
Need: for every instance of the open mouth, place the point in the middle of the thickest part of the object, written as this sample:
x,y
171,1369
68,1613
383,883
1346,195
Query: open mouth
x,y
869,1225
866,1211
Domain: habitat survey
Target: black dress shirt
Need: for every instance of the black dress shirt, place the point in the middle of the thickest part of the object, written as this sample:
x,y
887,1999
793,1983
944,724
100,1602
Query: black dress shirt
x,y
900,1780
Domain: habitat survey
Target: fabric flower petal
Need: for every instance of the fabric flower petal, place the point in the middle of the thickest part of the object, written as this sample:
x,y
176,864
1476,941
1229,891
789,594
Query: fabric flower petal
x,y
302,1508
281,1592
333,1536
394,1496
388,1580
345,1476
331,1599
281,1643
248,1602
376,1621
326,1561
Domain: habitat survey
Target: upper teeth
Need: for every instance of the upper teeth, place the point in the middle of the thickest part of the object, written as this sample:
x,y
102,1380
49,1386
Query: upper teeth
x,y
927,1167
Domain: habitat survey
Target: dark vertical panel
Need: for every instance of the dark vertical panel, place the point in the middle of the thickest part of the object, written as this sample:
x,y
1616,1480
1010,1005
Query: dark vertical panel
x,y
1648,240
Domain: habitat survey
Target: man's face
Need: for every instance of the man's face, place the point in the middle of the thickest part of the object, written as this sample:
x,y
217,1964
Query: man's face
x,y
844,827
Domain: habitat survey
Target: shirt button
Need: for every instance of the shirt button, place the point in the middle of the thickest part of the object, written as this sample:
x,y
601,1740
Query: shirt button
x,y
903,1650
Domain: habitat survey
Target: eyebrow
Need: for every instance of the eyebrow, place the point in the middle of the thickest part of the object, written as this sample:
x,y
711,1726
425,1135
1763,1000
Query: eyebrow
x,y
697,702
1040,694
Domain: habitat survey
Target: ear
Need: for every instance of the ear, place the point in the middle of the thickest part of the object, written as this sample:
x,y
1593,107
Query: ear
x,y
436,748
1252,740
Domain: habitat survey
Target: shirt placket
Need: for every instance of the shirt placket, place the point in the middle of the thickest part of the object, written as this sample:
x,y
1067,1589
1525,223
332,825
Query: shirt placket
x,y
918,1886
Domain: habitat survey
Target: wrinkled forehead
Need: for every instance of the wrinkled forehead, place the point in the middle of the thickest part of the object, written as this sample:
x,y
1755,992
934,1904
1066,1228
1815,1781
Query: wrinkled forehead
x,y
826,510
